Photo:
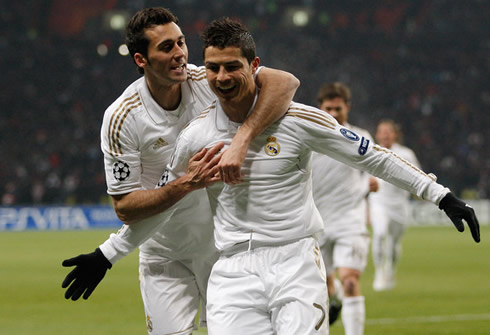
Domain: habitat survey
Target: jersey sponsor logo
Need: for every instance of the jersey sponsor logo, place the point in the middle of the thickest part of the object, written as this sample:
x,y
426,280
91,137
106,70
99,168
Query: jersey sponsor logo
x,y
159,143
272,148
349,134
364,146
322,319
121,170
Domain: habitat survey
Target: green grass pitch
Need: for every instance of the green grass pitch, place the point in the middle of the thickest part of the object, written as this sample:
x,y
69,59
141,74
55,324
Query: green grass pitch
x,y
443,287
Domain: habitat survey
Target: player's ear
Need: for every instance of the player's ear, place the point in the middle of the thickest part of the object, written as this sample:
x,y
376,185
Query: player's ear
x,y
255,64
140,60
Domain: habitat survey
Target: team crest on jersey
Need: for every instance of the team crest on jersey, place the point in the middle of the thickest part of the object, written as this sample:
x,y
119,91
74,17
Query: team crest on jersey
x,y
349,134
149,324
121,171
272,148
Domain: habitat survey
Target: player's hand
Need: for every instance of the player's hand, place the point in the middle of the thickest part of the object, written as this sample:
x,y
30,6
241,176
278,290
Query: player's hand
x,y
373,184
203,167
457,210
231,163
89,271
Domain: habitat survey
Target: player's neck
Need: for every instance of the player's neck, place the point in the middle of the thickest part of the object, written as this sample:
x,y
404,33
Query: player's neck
x,y
167,96
237,111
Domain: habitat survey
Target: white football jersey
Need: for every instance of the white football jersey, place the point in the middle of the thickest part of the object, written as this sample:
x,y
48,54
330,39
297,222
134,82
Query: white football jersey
x,y
274,204
138,137
395,201
340,192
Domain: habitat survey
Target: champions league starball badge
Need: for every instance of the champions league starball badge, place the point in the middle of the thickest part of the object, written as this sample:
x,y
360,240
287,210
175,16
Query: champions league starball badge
x,y
121,171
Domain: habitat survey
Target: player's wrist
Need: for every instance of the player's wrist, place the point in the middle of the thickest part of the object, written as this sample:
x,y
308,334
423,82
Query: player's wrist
x,y
181,186
110,252
101,259
244,136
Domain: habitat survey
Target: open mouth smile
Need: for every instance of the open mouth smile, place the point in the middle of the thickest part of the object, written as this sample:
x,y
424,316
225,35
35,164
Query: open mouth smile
x,y
179,68
226,89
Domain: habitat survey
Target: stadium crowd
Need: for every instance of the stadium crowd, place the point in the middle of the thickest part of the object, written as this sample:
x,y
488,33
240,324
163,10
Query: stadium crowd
x,y
424,64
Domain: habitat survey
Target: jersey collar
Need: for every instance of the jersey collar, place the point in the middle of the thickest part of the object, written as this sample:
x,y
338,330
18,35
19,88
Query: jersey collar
x,y
223,123
160,115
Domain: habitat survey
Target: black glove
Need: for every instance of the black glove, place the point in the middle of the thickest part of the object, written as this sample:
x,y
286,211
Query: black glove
x,y
89,271
458,210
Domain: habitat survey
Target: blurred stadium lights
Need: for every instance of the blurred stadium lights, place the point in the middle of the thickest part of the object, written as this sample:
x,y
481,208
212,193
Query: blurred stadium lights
x,y
298,16
102,50
123,50
116,20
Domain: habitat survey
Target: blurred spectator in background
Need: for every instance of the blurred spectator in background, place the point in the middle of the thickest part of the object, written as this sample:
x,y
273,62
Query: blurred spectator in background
x,y
423,63
390,212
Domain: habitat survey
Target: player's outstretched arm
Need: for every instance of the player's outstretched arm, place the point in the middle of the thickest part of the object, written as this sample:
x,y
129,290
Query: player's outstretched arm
x,y
139,205
458,210
89,270
277,91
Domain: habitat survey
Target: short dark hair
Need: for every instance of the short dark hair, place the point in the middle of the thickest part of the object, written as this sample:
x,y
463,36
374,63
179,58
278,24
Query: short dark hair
x,y
136,40
331,91
225,32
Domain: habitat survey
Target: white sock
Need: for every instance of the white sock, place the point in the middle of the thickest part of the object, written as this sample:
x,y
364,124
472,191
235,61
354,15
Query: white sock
x,y
353,315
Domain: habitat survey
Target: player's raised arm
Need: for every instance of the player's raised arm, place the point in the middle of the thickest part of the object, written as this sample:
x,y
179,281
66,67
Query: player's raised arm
x,y
278,88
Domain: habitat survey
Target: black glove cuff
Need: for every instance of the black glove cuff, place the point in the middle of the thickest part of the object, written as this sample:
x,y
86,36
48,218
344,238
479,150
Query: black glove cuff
x,y
447,200
102,259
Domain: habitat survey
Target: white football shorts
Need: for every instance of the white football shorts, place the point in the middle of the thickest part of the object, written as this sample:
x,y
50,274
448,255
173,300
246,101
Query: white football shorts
x,y
172,291
269,290
346,251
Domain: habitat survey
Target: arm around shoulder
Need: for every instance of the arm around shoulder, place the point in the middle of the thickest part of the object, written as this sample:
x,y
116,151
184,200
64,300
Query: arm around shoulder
x,y
277,89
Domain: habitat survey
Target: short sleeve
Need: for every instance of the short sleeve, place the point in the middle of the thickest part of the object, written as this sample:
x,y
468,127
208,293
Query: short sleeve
x,y
122,163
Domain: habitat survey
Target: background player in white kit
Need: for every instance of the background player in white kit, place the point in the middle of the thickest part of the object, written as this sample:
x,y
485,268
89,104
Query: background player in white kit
x,y
340,193
138,136
270,277
390,212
